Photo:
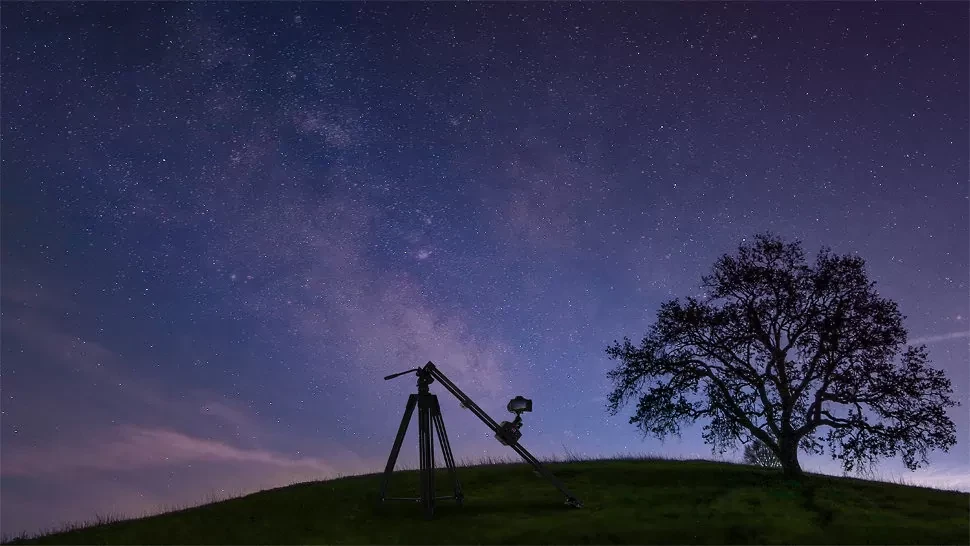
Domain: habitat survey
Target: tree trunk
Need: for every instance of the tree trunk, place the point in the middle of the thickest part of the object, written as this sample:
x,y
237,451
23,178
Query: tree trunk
x,y
789,458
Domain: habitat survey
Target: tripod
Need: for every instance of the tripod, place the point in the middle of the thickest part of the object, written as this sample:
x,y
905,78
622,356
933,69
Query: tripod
x,y
429,417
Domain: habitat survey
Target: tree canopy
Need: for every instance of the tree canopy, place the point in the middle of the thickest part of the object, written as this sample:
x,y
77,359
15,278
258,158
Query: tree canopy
x,y
800,356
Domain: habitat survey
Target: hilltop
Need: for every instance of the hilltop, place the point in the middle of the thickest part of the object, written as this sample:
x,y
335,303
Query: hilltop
x,y
626,502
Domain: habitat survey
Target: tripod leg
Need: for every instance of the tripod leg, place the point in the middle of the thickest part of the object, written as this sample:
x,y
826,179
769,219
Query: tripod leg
x,y
431,487
398,441
449,457
426,454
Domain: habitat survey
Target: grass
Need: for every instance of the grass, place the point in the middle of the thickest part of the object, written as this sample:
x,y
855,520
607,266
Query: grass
x,y
627,501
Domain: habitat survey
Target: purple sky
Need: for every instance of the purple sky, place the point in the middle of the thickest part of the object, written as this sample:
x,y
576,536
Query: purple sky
x,y
223,223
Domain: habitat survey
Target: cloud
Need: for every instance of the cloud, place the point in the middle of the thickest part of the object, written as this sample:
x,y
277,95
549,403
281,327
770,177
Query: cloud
x,y
126,448
944,478
37,330
32,511
939,337
132,471
224,412
38,293
63,354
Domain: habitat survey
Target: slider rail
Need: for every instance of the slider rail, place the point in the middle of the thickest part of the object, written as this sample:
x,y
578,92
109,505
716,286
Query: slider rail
x,y
461,396
524,453
434,372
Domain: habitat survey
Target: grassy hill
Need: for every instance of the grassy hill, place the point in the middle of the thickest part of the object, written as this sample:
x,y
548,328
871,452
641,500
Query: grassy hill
x,y
626,502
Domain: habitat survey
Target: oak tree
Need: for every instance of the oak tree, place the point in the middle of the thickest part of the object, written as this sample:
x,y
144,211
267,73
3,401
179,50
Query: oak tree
x,y
798,355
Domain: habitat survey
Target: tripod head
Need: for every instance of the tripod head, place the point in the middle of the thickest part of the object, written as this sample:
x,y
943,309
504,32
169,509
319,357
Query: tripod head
x,y
424,377
399,374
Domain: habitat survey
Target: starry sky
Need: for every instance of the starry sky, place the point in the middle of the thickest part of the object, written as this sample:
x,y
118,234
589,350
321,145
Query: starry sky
x,y
224,223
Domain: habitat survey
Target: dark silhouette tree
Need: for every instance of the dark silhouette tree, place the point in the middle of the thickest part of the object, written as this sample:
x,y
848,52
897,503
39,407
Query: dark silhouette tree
x,y
789,353
758,453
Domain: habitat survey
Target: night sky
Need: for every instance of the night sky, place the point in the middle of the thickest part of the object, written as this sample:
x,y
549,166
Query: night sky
x,y
223,223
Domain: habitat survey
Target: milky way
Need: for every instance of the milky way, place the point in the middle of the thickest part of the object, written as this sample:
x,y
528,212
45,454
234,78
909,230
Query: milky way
x,y
224,223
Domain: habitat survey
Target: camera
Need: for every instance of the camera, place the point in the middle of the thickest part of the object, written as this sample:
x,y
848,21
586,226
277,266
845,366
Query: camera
x,y
519,404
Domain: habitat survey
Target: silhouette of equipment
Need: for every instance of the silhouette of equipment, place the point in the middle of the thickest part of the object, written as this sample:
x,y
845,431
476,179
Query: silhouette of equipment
x,y
429,419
